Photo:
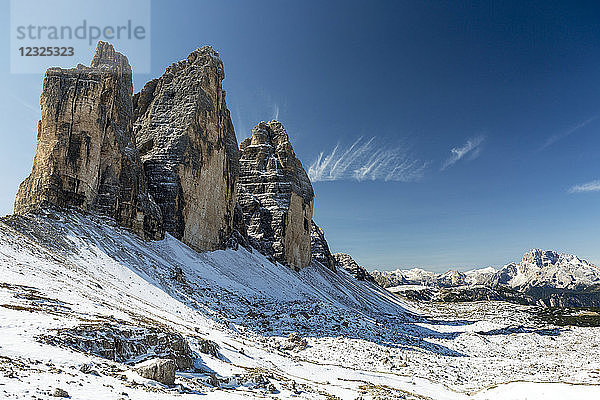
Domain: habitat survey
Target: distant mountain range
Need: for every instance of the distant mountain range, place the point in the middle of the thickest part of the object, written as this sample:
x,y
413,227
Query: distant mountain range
x,y
542,277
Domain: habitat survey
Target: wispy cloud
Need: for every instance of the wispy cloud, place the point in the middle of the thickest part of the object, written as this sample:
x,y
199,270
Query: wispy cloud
x,y
593,186
366,160
555,138
472,149
275,114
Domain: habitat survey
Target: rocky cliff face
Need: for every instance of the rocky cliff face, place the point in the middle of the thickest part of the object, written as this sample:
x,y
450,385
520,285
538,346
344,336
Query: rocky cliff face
x,y
167,159
276,196
319,247
547,269
86,153
346,262
540,258
189,149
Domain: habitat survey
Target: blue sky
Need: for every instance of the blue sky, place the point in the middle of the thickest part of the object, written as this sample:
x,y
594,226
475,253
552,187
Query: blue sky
x,y
475,126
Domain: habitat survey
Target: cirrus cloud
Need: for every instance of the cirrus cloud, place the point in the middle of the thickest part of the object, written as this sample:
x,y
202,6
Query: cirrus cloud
x,y
555,138
366,160
593,186
472,149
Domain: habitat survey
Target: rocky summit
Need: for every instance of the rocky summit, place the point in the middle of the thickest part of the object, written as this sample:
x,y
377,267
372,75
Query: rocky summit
x,y
276,196
86,154
189,149
346,262
320,248
167,160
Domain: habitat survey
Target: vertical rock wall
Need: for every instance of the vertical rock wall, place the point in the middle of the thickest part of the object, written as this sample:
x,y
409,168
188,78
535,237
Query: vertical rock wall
x,y
189,149
86,155
276,196
167,159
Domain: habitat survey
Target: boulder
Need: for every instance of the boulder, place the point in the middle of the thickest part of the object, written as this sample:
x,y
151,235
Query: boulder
x,y
295,342
208,347
189,150
86,153
157,369
58,392
276,196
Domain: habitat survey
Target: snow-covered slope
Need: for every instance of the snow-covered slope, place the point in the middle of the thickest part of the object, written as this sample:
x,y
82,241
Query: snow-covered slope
x,y
414,276
421,277
81,300
480,276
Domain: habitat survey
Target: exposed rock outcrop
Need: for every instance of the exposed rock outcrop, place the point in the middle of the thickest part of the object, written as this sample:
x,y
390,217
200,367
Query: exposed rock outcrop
x,y
167,159
125,343
319,247
189,149
276,196
346,262
158,369
86,153
58,392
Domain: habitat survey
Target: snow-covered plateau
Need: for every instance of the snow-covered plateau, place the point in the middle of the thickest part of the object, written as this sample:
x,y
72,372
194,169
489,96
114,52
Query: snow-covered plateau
x,y
82,301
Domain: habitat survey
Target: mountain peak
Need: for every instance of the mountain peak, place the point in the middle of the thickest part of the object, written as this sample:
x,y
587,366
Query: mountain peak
x,y
276,195
541,258
204,57
106,56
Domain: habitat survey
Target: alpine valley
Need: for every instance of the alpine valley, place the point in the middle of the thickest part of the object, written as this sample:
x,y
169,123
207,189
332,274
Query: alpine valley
x,y
151,256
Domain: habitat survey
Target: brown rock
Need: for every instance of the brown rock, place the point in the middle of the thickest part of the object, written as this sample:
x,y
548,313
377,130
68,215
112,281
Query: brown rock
x,y
189,149
86,154
276,196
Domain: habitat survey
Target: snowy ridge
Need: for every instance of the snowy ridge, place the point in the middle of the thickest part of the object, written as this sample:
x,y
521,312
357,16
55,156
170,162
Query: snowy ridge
x,y
541,277
60,272
538,268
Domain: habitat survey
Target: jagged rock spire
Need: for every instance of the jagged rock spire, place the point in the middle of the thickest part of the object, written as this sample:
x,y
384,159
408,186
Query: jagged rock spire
x,y
86,155
276,196
320,248
346,262
189,149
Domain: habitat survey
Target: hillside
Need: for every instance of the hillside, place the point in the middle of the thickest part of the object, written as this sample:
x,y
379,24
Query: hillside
x,y
81,300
